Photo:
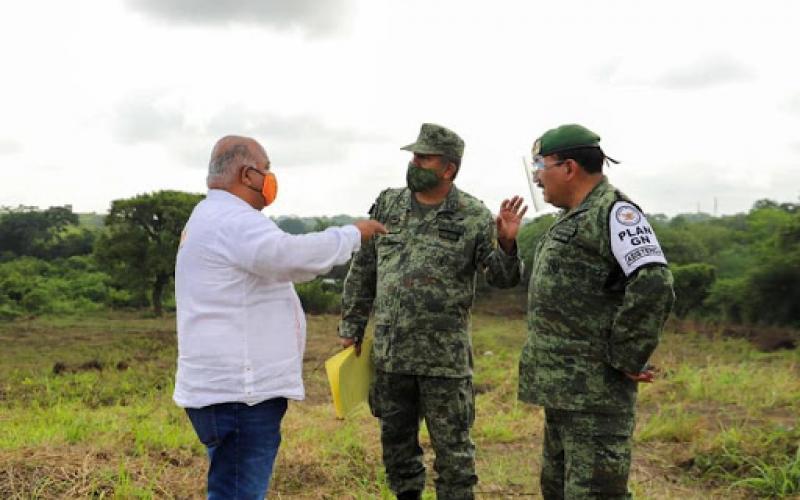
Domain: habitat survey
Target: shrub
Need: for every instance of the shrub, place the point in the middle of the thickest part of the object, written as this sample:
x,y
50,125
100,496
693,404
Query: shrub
x,y
693,284
728,297
316,299
62,286
9,312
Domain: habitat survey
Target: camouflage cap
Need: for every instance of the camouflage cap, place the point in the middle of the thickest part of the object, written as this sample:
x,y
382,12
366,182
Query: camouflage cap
x,y
566,137
437,140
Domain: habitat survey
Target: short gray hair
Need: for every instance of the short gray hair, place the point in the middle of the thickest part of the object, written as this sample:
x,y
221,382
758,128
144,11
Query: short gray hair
x,y
222,167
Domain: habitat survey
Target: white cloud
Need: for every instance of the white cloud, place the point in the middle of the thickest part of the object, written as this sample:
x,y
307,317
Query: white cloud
x,y
707,72
143,118
291,140
110,98
10,147
792,104
308,15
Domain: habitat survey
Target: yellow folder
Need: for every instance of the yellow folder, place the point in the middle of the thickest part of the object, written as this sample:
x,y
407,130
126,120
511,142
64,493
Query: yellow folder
x,y
350,376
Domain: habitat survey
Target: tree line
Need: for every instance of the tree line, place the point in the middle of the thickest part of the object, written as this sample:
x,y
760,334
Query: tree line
x,y
54,261
742,268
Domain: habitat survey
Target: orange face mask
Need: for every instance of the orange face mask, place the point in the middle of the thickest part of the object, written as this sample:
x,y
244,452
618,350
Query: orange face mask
x,y
270,189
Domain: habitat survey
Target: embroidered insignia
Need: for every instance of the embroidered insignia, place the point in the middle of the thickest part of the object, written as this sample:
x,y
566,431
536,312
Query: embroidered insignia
x,y
633,241
627,215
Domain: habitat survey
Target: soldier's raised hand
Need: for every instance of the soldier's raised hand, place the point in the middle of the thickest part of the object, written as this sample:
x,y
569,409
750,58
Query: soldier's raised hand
x,y
509,220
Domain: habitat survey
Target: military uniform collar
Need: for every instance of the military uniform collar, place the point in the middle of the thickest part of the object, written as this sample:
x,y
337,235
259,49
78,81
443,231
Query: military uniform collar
x,y
453,200
597,191
449,205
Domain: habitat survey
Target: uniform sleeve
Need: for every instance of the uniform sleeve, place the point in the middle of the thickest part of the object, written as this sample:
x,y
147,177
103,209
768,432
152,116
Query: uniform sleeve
x,y
262,248
633,242
639,321
501,270
359,290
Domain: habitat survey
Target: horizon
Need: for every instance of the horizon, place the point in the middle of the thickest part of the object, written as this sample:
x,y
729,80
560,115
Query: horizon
x,y
111,98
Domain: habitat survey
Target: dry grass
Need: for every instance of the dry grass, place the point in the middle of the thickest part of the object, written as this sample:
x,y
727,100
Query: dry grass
x,y
85,411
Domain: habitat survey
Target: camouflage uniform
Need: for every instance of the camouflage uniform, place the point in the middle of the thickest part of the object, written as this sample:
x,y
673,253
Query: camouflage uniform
x,y
587,324
419,282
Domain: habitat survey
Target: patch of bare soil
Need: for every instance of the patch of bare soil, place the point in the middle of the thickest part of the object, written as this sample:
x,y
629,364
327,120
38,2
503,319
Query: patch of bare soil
x,y
297,477
80,472
764,338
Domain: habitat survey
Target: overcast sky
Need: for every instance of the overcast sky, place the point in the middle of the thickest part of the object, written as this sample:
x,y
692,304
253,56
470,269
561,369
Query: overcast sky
x,y
106,99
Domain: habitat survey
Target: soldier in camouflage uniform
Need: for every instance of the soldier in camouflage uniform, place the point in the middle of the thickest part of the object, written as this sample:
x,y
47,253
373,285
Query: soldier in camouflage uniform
x,y
599,294
419,281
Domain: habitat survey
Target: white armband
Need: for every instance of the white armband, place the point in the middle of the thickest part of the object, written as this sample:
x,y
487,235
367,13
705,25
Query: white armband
x,y
633,241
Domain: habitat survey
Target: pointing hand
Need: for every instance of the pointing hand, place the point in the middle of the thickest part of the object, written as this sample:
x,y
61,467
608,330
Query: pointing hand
x,y
369,228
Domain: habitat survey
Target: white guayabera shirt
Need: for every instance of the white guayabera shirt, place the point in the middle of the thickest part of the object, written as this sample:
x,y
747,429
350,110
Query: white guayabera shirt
x,y
241,328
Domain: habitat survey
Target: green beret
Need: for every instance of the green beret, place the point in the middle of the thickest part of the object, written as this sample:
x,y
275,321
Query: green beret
x,y
436,140
566,137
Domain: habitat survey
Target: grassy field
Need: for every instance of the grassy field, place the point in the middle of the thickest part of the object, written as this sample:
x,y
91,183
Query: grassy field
x,y
86,411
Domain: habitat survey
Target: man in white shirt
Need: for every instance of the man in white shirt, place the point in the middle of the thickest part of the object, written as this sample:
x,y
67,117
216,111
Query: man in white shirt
x,y
241,328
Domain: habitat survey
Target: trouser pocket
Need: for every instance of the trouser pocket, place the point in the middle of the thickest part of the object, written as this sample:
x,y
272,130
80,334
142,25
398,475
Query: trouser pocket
x,y
205,424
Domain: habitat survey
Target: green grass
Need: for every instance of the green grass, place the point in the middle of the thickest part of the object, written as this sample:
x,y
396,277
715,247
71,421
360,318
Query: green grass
x,y
773,480
671,424
86,411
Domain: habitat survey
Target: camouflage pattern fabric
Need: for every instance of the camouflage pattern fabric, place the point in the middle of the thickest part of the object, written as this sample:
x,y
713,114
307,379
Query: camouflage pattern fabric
x,y
586,455
587,323
437,140
448,407
419,281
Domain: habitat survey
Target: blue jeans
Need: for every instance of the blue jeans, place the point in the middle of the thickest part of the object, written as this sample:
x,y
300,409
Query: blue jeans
x,y
242,442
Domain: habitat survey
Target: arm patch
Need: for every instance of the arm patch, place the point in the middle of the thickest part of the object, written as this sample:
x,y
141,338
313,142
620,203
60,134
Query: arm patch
x,y
633,240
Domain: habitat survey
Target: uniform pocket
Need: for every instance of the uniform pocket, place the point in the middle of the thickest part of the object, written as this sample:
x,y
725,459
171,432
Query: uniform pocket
x,y
447,250
560,345
382,342
377,388
468,398
612,463
387,247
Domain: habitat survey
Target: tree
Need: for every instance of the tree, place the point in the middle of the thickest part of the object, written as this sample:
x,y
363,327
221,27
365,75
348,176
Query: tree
x,y
774,286
773,292
693,284
681,245
29,231
762,282
292,225
141,239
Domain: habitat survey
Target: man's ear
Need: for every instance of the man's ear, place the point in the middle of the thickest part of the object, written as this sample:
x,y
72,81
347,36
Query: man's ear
x,y
571,167
243,177
450,171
